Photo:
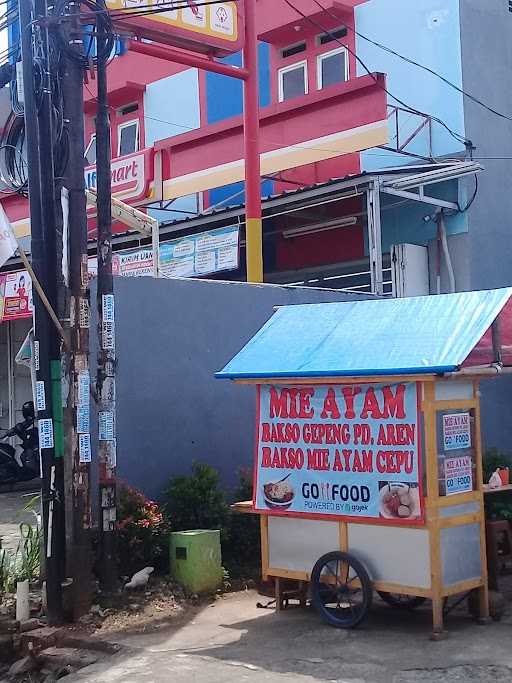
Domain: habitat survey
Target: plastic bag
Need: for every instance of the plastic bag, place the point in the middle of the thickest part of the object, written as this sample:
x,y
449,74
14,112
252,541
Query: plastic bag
x,y
495,480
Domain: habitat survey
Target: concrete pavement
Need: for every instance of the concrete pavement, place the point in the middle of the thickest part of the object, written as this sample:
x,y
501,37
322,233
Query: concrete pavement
x,y
234,641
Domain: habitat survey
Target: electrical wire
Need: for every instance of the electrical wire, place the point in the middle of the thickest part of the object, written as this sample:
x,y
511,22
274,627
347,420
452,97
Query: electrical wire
x,y
13,171
471,201
419,65
102,24
457,136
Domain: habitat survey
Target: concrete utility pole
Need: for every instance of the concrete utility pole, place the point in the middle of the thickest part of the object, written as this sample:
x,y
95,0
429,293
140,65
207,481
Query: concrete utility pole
x,y
54,283
76,362
105,380
44,341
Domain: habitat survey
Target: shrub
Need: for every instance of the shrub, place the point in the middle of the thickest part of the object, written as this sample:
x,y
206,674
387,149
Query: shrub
x,y
142,532
24,564
195,501
242,552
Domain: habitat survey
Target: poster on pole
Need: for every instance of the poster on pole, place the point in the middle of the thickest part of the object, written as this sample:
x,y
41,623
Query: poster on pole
x,y
340,451
202,254
16,295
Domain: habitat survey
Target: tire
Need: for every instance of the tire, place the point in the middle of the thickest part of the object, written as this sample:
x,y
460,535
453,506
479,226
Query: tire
x,y
341,602
399,601
8,473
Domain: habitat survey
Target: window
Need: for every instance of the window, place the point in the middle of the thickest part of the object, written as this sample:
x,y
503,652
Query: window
x,y
129,109
128,138
332,68
332,35
293,81
293,50
90,152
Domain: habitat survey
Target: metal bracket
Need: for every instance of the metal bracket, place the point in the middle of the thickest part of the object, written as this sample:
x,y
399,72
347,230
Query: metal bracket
x,y
420,197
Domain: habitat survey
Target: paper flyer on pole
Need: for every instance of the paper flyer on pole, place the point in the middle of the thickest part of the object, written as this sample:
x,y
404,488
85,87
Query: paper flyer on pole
x,y
16,293
344,451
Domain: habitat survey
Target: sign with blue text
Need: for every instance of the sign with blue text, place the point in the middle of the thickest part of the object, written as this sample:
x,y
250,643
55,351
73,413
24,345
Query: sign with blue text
x,y
456,431
458,475
349,451
201,254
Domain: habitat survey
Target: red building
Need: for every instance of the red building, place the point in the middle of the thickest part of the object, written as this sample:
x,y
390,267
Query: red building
x,y
333,138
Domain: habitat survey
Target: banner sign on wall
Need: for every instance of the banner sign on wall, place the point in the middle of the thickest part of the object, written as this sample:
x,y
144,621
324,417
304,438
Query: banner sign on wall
x,y
15,296
343,451
203,254
133,263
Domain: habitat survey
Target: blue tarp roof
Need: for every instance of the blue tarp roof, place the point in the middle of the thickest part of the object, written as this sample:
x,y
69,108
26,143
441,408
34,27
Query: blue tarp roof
x,y
427,334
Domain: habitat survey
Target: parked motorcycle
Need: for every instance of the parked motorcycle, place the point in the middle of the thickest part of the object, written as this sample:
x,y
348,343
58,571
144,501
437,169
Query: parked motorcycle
x,y
20,463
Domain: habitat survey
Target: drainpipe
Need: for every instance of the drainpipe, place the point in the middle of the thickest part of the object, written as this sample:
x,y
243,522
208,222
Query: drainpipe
x,y
496,342
441,232
438,259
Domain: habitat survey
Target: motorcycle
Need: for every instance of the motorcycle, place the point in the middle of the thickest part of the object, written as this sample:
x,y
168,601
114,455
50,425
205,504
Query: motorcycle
x,y
21,463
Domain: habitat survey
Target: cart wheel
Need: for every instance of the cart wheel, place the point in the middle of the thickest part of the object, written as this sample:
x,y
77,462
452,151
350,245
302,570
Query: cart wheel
x,y
402,601
341,589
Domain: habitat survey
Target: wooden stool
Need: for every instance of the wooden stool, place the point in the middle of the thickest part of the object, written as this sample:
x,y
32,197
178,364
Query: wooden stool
x,y
499,546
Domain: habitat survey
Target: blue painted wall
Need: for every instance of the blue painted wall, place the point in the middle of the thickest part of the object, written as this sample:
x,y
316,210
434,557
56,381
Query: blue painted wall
x,y
406,224
171,107
13,31
224,95
230,195
427,31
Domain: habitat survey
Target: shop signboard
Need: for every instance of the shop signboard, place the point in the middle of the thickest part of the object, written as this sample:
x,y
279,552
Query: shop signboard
x,y
202,254
131,177
128,176
215,28
15,296
339,451
133,263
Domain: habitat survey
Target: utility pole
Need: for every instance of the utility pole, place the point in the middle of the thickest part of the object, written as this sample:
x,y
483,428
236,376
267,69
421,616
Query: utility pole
x,y
76,362
49,214
105,380
43,330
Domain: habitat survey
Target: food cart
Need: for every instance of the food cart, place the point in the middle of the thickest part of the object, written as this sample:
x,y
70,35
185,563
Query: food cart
x,y
368,462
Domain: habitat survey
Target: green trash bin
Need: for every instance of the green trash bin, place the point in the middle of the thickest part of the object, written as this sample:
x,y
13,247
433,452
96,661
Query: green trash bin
x,y
196,561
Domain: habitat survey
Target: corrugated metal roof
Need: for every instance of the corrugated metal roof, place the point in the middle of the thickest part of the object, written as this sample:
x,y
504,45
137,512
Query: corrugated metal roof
x,y
418,335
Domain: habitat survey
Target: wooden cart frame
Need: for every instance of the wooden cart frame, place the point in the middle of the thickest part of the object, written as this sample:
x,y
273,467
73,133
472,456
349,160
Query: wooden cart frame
x,y
455,521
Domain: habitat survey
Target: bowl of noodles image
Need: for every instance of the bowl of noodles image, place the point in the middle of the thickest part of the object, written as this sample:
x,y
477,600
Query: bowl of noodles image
x,y
278,495
399,501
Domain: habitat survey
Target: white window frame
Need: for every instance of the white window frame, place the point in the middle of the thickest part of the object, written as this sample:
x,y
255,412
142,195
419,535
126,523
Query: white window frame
x,y
325,55
126,124
92,140
292,67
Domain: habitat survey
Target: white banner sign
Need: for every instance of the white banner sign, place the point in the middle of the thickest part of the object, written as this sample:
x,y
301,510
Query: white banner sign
x,y
8,244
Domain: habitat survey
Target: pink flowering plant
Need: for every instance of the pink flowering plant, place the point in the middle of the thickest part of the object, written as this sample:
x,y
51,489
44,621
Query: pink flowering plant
x,y
143,532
